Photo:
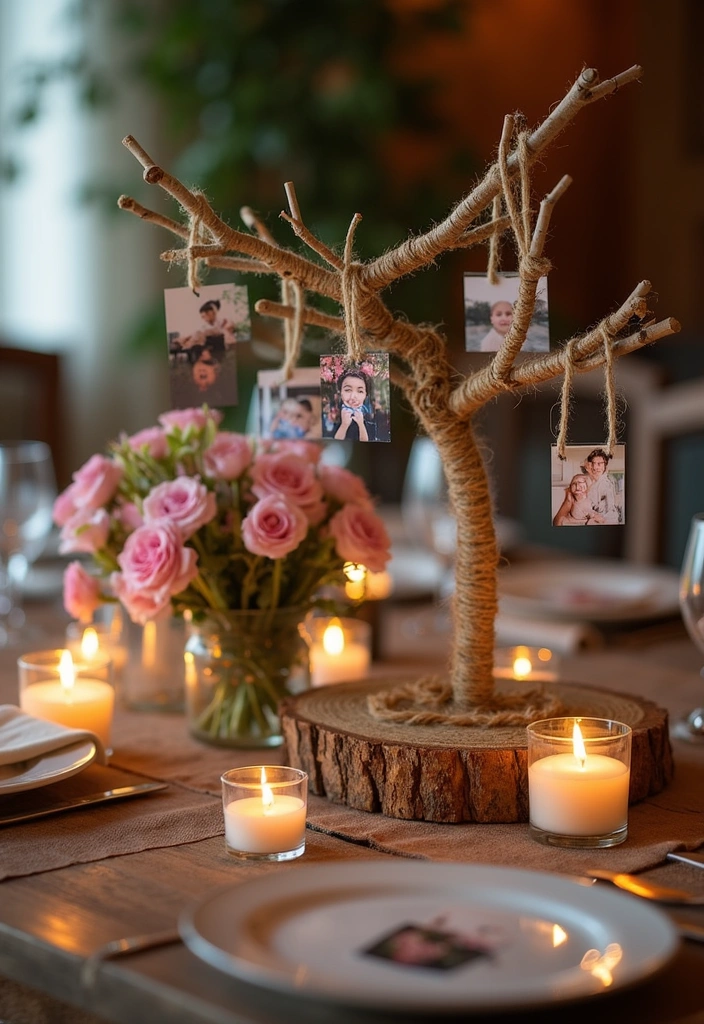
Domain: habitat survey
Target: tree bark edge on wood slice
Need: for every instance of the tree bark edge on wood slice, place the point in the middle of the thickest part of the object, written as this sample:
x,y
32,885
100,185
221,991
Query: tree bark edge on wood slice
x,y
444,773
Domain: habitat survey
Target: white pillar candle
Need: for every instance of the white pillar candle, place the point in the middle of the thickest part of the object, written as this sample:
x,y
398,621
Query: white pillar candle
x,y
578,794
336,658
253,826
75,702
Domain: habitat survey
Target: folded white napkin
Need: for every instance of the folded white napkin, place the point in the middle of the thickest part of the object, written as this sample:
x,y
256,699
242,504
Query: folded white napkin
x,y
561,637
23,737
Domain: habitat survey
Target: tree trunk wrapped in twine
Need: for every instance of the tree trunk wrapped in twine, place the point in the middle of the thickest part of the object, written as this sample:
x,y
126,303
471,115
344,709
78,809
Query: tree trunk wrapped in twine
x,y
442,400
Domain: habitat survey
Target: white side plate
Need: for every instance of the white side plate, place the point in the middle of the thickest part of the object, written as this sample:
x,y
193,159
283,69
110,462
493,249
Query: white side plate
x,y
40,771
533,939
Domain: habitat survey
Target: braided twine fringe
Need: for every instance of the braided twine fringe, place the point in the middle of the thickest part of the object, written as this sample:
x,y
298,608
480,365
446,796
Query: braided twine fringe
x,y
421,703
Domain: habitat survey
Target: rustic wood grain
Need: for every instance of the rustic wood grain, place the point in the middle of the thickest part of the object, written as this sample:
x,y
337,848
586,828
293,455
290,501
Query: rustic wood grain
x,y
447,774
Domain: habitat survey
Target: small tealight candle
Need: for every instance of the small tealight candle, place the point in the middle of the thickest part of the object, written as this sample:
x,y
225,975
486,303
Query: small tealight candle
x,y
265,812
578,779
340,650
96,642
80,696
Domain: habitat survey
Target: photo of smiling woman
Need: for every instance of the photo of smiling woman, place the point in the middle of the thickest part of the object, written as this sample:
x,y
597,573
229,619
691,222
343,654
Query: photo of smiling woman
x,y
355,398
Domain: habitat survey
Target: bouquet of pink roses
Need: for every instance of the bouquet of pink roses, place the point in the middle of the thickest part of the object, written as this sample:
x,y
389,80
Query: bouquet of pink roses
x,y
226,528
205,519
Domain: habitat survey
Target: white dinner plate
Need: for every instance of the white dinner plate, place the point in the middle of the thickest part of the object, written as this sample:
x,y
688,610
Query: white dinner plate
x,y
40,771
589,590
498,938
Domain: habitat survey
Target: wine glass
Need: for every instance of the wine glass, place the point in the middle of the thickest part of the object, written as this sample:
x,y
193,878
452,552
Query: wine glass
x,y
692,608
27,492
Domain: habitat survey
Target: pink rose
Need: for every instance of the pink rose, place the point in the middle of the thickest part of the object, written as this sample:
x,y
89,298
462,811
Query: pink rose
x,y
273,527
293,478
95,483
129,515
185,502
343,486
81,592
153,438
185,418
308,450
155,566
140,605
64,506
360,536
228,456
86,530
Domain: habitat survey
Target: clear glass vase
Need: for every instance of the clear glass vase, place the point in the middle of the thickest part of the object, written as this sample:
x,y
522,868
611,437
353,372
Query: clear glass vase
x,y
239,665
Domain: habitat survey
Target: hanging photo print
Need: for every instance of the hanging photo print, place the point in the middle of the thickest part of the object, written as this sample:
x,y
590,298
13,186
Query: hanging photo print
x,y
355,398
588,486
202,332
289,409
488,313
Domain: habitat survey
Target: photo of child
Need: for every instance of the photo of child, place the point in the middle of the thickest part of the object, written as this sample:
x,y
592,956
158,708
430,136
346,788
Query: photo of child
x,y
588,487
202,332
432,946
488,313
355,398
289,410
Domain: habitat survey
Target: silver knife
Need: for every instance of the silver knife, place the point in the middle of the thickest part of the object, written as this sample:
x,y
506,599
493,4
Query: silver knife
x,y
695,859
119,793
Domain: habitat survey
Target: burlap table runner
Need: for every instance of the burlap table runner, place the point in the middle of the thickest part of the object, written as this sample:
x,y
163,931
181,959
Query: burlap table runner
x,y
158,746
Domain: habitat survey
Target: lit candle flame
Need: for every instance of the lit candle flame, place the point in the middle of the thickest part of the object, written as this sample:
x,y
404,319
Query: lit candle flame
x,y
267,795
578,745
559,935
522,667
355,587
334,638
67,673
89,644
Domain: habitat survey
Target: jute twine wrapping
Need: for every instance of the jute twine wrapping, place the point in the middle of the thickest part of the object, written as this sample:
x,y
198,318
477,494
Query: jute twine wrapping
x,y
492,270
609,395
197,235
469,698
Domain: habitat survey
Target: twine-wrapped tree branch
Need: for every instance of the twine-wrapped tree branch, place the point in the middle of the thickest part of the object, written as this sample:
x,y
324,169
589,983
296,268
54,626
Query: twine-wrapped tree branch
x,y
443,403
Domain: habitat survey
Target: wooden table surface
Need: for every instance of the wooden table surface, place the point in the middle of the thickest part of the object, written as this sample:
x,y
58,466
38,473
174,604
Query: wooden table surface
x,y
52,921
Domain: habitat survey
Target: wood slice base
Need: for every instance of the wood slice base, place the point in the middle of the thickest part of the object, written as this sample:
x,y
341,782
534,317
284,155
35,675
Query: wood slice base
x,y
447,773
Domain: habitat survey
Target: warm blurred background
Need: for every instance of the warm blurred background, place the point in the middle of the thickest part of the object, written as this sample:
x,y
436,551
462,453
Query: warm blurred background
x,y
389,107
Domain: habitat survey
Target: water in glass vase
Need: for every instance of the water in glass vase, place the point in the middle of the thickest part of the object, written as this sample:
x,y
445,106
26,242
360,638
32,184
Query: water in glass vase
x,y
239,665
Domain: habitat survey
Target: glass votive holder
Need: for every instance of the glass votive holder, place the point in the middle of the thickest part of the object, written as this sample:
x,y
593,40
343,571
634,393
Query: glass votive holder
x,y
265,812
98,641
339,649
58,689
579,772
526,664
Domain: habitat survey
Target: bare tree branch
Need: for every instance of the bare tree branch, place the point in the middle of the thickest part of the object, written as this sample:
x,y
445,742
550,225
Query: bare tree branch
x,y
296,221
132,206
285,263
421,250
266,307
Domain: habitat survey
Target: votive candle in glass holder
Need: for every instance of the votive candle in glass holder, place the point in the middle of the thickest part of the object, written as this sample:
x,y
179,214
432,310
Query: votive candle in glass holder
x,y
579,772
97,641
79,695
265,812
340,649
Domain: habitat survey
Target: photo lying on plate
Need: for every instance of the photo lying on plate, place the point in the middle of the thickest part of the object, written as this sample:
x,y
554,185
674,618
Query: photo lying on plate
x,y
290,409
203,330
414,945
488,313
588,486
356,398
